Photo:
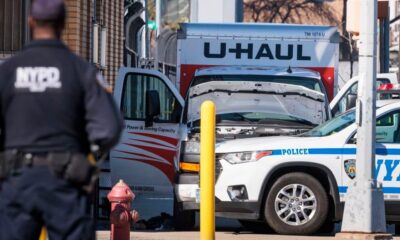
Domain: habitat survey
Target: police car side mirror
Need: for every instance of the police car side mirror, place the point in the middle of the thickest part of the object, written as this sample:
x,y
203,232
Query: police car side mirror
x,y
353,140
351,99
152,107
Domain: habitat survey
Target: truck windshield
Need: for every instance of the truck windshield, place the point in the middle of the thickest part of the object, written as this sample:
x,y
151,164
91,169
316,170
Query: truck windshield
x,y
310,83
332,126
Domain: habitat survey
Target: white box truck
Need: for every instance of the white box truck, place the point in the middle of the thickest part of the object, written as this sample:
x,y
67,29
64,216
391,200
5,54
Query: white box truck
x,y
266,79
278,45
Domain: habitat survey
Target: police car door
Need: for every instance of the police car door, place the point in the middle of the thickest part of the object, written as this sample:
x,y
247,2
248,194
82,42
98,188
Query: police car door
x,y
146,156
387,166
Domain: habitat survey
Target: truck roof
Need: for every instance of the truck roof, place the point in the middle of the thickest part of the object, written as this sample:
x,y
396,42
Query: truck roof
x,y
259,30
256,70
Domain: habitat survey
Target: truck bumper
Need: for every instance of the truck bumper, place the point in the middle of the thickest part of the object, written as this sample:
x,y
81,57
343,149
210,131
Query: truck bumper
x,y
187,186
235,210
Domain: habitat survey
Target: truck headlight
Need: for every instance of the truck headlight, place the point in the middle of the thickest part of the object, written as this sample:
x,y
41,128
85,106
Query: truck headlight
x,y
243,157
192,147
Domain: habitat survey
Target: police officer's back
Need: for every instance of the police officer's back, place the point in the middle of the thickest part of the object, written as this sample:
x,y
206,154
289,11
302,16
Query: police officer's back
x,y
54,106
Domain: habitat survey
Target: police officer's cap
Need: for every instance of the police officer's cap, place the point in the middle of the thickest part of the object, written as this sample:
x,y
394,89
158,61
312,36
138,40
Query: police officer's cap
x,y
48,10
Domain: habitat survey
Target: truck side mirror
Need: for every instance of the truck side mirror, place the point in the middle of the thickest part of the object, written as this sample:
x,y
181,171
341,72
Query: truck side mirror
x,y
152,107
351,99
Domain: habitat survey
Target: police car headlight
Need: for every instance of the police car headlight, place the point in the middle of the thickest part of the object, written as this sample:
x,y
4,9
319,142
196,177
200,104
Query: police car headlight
x,y
192,147
243,157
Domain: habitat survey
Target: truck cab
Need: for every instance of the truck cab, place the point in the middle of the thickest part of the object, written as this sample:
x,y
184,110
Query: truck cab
x,y
161,135
302,62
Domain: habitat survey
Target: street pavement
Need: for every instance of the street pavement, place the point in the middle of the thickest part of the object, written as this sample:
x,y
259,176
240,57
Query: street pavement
x,y
220,235
227,229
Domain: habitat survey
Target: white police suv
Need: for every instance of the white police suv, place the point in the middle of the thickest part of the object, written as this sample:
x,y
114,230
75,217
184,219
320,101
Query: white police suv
x,y
296,184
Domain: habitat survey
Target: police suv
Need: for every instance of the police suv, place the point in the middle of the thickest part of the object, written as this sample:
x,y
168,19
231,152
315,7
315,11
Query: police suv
x,y
296,184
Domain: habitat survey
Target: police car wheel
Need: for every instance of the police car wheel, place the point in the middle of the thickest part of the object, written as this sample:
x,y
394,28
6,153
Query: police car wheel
x,y
296,204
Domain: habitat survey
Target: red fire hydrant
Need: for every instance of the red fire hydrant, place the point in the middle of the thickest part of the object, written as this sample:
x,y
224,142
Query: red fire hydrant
x,y
121,215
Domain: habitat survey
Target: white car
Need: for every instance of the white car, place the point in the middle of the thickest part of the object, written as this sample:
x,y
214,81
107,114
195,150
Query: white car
x,y
297,184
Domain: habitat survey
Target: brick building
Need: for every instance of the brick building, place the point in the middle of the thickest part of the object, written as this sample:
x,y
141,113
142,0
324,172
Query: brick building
x,y
94,31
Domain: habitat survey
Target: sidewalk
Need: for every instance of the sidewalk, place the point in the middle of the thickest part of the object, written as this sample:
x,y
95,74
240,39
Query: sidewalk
x,y
105,235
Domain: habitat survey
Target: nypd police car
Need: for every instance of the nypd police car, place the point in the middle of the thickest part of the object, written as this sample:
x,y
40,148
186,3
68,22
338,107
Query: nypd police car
x,y
297,184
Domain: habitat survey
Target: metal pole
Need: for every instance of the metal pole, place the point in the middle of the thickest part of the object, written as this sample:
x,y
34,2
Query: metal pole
x,y
146,11
158,17
194,11
158,30
207,171
364,207
381,52
144,43
43,234
386,40
239,11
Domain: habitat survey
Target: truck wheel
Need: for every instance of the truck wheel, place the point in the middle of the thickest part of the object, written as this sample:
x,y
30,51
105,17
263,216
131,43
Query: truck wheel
x,y
255,226
183,220
296,204
397,228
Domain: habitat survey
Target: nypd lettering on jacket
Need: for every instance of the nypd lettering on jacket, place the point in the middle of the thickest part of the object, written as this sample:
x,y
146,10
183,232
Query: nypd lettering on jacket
x,y
37,79
263,51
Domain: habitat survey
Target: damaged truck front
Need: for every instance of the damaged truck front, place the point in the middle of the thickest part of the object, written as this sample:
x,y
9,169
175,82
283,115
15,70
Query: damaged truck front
x,y
225,62
244,109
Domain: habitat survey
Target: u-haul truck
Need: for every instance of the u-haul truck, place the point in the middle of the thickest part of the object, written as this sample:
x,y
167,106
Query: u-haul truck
x,y
279,45
250,70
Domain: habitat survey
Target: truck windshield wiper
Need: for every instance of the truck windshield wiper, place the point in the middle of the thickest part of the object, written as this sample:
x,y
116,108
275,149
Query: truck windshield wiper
x,y
299,120
220,118
294,120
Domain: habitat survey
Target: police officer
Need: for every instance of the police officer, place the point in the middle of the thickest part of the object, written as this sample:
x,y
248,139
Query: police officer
x,y
53,108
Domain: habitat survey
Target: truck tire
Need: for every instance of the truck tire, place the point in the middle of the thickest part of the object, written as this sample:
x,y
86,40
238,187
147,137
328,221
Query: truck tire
x,y
183,220
297,204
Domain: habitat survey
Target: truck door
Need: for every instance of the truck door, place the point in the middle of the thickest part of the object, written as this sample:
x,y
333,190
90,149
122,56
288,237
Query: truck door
x,y
146,155
346,97
387,165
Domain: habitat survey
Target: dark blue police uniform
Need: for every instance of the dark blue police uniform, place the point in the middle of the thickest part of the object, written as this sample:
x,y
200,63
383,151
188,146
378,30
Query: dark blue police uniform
x,y
51,102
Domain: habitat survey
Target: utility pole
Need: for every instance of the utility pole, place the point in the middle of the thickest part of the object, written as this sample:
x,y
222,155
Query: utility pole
x,y
158,17
158,31
364,213
145,34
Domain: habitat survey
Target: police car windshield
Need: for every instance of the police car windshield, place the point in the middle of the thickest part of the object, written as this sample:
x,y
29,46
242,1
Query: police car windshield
x,y
332,126
310,83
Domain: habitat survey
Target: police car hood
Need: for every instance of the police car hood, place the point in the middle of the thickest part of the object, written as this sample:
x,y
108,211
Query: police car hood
x,y
266,143
236,97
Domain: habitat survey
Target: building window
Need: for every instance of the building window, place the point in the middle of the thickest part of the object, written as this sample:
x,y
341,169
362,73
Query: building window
x,y
13,25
